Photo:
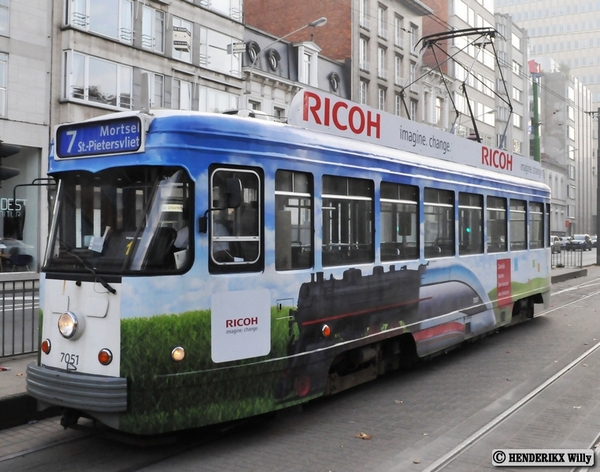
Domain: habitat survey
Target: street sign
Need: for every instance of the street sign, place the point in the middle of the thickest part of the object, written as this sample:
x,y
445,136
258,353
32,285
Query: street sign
x,y
236,48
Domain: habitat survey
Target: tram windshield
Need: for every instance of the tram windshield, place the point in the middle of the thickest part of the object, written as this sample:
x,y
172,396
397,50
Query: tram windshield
x,y
122,221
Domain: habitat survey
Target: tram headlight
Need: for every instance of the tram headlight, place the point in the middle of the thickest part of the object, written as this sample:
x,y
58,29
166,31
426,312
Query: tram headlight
x,y
70,326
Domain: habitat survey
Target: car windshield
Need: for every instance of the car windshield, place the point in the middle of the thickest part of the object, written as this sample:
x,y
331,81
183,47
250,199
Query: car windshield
x,y
121,220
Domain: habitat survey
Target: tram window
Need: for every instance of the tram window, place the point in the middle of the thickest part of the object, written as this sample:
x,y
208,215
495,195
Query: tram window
x,y
347,221
496,224
470,223
439,223
536,225
293,220
518,225
125,220
235,233
399,222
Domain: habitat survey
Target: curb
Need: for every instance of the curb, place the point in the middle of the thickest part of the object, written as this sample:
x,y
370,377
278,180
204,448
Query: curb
x,y
21,409
568,276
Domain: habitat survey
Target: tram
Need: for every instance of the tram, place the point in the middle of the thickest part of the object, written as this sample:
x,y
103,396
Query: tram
x,y
203,268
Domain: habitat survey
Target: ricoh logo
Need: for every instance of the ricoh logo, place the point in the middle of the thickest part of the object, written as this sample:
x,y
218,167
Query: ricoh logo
x,y
341,115
238,325
495,158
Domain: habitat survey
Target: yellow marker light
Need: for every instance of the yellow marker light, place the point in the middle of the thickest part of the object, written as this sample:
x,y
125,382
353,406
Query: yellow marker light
x,y
178,354
326,330
105,357
46,346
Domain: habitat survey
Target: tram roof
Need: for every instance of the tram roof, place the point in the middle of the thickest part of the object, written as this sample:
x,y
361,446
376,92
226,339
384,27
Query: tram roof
x,y
275,134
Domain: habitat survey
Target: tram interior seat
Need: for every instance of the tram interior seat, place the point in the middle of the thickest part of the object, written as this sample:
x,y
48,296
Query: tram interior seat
x,y
161,250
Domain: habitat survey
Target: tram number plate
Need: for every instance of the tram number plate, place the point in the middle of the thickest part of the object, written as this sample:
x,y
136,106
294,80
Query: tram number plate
x,y
71,360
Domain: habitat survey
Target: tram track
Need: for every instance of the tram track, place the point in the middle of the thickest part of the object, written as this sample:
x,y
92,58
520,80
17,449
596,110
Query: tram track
x,y
477,436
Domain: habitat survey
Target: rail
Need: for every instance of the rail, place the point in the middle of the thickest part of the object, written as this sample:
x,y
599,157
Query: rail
x,y
568,258
19,315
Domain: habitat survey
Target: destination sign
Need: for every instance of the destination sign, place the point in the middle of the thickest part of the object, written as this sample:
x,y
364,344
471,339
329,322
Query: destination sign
x,y
100,137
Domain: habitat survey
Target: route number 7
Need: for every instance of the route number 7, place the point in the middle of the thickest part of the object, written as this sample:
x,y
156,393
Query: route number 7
x,y
72,134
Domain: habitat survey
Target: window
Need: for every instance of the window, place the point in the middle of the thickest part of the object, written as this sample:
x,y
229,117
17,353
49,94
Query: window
x,y
517,146
182,47
517,94
347,221
308,56
414,106
235,231
363,57
518,225
399,222
363,12
3,82
470,223
517,121
382,22
230,8
217,101
144,209
293,220
397,70
157,90
97,80
381,66
4,19
398,105
363,92
112,18
381,99
153,29
398,30
279,114
439,111
536,225
517,68
496,224
413,35
439,222
181,95
413,77
213,53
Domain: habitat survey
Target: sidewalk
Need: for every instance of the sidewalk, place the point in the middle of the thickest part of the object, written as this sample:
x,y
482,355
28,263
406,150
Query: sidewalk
x,y
16,407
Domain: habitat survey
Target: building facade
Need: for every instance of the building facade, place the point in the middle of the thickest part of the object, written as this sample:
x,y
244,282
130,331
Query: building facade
x,y
276,69
25,80
486,77
377,40
564,30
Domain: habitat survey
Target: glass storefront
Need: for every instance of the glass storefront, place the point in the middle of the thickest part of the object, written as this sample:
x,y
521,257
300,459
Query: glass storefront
x,y
19,211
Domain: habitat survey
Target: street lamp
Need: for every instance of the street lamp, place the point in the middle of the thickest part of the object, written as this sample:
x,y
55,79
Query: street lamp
x,y
313,24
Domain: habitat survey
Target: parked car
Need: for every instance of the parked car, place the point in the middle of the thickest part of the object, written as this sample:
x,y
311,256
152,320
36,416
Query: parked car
x,y
581,240
594,240
555,244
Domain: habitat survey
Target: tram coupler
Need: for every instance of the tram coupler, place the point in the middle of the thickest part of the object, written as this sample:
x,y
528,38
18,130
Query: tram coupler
x,y
69,418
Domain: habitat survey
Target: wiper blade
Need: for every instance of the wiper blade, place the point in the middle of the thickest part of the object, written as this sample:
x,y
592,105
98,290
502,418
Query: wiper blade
x,y
89,268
